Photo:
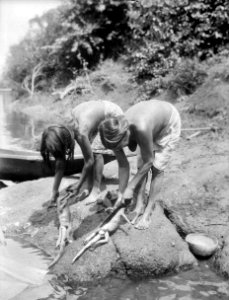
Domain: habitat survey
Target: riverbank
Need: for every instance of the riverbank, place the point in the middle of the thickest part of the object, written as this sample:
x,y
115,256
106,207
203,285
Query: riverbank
x,y
195,189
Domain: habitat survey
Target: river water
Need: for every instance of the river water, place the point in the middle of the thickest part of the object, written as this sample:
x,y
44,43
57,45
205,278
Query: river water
x,y
23,268
24,276
17,129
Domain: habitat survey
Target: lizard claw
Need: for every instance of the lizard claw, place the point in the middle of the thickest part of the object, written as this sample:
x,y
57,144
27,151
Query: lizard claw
x,y
109,209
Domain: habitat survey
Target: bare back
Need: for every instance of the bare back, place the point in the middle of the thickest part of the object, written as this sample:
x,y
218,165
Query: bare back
x,y
152,115
146,121
87,117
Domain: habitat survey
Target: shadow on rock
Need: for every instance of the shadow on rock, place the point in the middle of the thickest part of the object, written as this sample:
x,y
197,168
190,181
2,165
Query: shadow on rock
x,y
43,217
88,224
153,252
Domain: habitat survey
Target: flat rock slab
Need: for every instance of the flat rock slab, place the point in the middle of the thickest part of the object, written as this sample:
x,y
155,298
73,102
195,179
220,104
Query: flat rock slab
x,y
152,252
19,202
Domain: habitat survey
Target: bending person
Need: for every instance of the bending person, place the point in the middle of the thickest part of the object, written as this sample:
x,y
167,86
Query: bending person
x,y
86,118
155,127
57,141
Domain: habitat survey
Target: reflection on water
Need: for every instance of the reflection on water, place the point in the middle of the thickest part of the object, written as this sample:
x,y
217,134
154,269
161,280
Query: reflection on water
x,y
197,284
24,276
16,129
23,272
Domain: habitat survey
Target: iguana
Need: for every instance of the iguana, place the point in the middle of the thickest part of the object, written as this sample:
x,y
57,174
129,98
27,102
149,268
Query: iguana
x,y
102,233
65,227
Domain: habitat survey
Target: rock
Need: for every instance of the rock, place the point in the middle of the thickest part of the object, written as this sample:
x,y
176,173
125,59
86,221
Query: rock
x,y
220,259
91,266
24,202
152,252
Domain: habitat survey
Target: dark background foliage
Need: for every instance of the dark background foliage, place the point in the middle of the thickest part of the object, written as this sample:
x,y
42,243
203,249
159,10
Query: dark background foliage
x,y
151,36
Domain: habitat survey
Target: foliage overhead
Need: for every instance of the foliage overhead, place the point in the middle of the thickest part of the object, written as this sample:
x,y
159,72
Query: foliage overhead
x,y
153,36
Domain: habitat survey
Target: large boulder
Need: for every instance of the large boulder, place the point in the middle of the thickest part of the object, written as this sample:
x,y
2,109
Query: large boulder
x,y
155,251
152,252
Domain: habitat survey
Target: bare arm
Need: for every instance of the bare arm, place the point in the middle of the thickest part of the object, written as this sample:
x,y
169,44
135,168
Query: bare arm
x,y
85,146
145,142
124,170
59,173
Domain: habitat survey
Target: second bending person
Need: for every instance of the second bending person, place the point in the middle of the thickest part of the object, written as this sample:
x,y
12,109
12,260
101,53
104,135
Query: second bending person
x,y
58,141
154,126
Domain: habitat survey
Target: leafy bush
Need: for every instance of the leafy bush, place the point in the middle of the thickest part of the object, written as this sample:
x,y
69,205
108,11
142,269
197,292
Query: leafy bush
x,y
167,30
152,34
186,78
64,38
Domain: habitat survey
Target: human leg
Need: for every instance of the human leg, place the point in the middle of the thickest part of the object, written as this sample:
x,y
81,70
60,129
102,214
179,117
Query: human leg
x,y
97,178
155,187
59,173
139,208
140,192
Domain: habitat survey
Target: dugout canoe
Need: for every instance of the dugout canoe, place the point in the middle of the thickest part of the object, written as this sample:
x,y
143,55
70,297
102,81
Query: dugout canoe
x,y
20,165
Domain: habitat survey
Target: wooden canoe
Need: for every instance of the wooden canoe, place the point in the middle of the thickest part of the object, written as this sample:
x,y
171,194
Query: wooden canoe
x,y
20,165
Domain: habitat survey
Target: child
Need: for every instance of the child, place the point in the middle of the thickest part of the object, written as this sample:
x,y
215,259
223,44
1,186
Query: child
x,y
155,127
59,142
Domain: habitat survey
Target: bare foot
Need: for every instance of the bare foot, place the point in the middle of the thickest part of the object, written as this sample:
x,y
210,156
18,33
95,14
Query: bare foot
x,y
137,215
137,212
52,203
92,198
83,195
72,188
143,224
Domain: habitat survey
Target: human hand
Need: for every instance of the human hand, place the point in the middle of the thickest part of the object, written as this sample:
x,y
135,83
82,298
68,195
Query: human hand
x,y
73,189
53,201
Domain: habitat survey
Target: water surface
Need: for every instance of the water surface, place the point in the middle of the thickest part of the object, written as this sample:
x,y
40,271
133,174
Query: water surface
x,y
17,129
199,283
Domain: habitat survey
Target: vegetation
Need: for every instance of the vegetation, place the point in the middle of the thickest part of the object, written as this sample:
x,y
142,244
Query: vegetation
x,y
163,42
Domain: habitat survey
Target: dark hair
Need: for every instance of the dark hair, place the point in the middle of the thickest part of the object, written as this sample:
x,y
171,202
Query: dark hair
x,y
112,131
58,141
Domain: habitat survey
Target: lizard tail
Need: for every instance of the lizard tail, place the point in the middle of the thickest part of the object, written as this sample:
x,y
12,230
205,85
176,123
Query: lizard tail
x,y
88,245
57,258
80,253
